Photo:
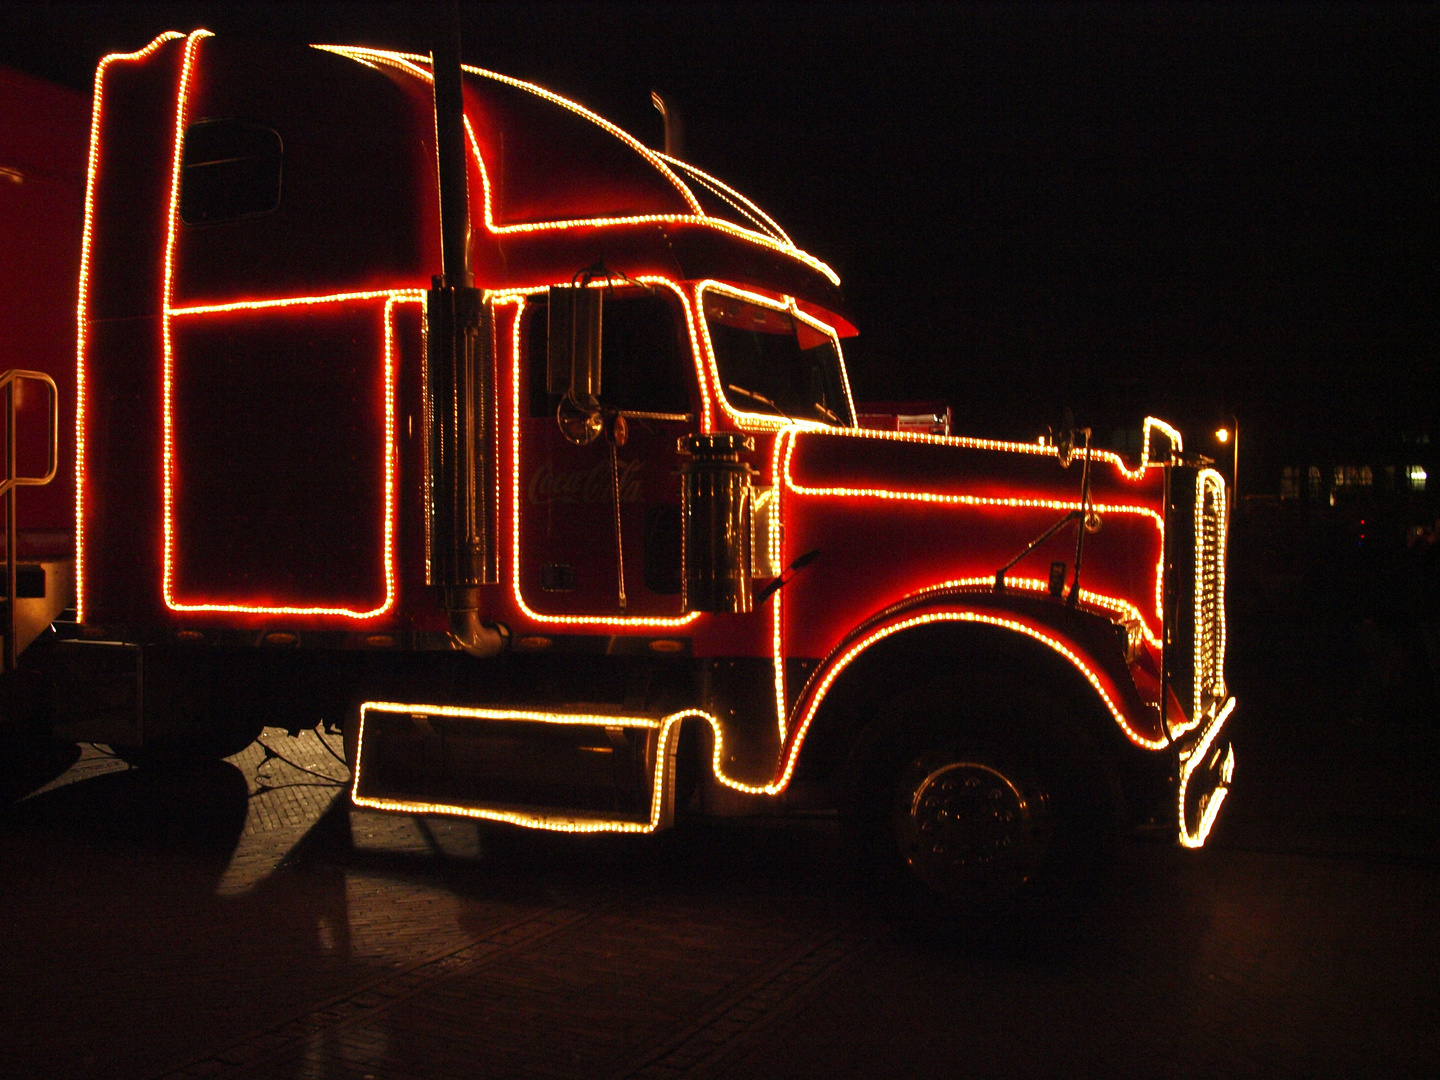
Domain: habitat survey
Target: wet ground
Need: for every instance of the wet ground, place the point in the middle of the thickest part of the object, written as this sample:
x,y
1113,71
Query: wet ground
x,y
243,921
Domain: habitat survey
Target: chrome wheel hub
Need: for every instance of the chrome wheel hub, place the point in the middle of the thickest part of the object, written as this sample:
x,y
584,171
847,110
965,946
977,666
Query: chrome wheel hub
x,y
968,830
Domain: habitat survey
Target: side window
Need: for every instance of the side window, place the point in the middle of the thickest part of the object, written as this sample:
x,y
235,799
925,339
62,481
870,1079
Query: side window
x,y
645,363
229,169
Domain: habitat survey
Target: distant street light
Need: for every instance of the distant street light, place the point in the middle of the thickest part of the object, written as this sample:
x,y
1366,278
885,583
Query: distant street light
x,y
1231,435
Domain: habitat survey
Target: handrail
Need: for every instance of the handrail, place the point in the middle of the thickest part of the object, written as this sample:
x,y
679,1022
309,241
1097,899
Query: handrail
x,y
8,383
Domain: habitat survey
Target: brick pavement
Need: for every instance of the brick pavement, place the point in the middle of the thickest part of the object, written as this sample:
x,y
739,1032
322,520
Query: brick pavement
x,y
242,922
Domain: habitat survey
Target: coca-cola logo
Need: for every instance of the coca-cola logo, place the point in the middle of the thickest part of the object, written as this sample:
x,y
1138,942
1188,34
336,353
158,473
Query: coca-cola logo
x,y
588,485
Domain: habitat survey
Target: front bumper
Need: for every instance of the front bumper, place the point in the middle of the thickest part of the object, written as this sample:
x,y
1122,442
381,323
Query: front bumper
x,y
1207,768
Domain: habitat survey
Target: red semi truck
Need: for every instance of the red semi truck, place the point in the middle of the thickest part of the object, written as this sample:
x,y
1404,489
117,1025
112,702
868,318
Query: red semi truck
x,y
429,402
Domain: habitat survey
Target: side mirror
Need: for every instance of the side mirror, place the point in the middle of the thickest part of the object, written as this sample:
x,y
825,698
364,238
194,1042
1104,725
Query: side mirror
x,y
573,360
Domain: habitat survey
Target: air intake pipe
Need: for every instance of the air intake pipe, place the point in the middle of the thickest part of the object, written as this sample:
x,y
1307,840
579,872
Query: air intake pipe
x,y
715,535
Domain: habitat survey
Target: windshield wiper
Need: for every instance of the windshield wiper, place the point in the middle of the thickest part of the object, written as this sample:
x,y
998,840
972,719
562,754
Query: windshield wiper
x,y
761,398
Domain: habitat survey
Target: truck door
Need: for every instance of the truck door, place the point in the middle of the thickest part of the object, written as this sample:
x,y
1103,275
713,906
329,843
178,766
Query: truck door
x,y
570,554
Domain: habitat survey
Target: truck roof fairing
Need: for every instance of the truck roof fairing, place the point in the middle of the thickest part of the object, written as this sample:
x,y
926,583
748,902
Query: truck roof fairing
x,y
529,146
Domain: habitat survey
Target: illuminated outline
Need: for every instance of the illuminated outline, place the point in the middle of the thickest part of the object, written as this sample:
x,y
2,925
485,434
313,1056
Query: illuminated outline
x,y
172,216
559,822
767,421
1190,761
969,500
963,615
82,334
833,670
728,194
517,298
1209,573
392,297
694,321
417,65
1111,605
1177,445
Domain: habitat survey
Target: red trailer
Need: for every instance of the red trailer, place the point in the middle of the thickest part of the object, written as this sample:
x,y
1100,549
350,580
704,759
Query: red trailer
x,y
572,520
43,140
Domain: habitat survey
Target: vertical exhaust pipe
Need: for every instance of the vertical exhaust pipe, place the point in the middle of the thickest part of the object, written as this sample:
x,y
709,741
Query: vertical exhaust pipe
x,y
674,124
460,427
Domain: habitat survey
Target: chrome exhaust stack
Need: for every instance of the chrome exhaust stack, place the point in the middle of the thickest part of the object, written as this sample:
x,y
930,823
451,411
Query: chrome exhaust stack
x,y
459,391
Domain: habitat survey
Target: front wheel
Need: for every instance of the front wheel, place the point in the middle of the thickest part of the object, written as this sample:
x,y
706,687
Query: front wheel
x,y
956,817
970,827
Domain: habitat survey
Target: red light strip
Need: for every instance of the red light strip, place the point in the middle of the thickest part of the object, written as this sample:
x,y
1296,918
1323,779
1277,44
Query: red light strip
x,y
412,64
1111,604
730,195
392,298
556,822
296,301
960,615
82,328
782,445
624,136
172,216
962,500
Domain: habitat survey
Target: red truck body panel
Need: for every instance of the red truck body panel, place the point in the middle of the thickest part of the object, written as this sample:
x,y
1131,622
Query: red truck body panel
x,y
253,410
43,137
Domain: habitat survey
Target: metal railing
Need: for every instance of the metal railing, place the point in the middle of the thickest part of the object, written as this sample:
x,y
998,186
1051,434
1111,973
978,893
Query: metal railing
x,y
10,381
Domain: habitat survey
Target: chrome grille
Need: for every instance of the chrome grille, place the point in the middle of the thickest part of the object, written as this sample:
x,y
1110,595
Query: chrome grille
x,y
1209,598
1194,592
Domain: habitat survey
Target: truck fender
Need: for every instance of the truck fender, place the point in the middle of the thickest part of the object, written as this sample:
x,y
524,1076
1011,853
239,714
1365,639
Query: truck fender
x,y
1090,643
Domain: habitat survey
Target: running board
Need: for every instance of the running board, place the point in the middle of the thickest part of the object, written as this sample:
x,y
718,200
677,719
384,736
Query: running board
x,y
563,771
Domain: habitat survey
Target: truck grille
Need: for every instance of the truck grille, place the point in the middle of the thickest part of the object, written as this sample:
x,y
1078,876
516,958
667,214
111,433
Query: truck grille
x,y
1209,599
1195,534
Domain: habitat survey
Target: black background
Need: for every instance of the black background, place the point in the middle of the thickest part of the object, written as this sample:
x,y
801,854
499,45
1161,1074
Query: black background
x,y
1192,210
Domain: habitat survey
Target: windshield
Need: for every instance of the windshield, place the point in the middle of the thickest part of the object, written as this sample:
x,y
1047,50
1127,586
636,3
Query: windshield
x,y
771,362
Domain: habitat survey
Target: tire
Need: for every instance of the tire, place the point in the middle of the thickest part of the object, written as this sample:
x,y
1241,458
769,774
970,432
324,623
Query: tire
x,y
957,816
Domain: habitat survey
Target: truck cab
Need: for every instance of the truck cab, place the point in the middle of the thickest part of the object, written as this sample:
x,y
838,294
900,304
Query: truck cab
x,y
626,551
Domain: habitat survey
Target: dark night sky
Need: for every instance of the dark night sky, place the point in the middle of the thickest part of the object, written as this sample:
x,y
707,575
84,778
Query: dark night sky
x,y
1175,208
